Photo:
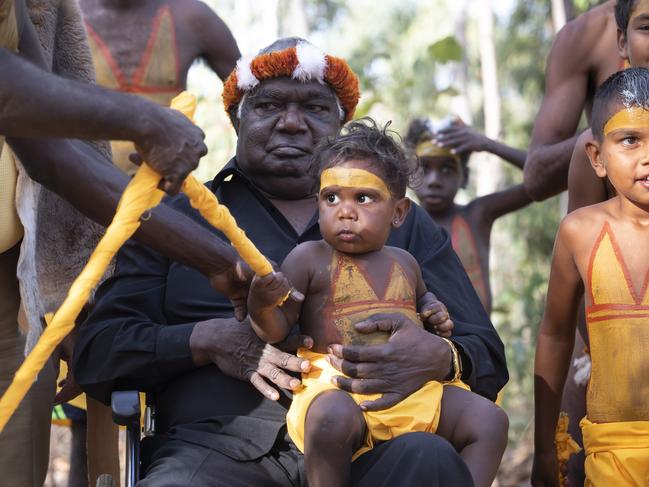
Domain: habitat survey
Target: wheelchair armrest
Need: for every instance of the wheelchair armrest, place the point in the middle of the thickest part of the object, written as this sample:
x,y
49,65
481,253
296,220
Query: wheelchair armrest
x,y
126,408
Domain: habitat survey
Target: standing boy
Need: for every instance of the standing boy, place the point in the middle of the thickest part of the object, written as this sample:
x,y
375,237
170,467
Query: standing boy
x,y
444,156
600,255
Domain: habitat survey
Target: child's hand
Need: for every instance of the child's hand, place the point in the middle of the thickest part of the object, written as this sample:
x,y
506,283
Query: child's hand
x,y
435,316
271,291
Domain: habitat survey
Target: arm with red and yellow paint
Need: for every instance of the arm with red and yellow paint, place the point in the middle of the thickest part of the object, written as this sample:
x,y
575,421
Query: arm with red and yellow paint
x,y
553,350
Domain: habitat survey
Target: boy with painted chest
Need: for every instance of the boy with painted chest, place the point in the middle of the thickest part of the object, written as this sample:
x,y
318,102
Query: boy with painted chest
x,y
601,255
346,278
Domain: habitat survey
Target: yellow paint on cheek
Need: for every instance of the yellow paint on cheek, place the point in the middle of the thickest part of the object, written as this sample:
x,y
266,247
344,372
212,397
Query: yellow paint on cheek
x,y
628,118
350,177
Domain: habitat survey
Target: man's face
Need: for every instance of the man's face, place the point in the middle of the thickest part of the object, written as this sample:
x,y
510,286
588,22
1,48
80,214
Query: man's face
x,y
443,177
281,122
634,44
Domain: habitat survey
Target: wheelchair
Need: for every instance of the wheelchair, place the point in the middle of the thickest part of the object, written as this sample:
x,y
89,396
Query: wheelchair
x,y
125,406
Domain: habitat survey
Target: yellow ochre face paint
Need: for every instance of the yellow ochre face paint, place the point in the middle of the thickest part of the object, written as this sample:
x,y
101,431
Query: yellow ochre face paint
x,y
351,177
428,148
627,118
641,7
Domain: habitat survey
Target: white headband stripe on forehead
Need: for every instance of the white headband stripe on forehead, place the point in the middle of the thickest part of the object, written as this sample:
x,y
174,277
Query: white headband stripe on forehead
x,y
312,64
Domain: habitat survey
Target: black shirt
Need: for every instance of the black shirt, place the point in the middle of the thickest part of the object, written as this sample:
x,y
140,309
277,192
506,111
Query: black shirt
x,y
137,335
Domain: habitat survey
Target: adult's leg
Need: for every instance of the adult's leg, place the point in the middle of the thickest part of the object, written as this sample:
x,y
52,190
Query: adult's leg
x,y
477,428
176,463
78,459
25,441
102,440
413,459
334,429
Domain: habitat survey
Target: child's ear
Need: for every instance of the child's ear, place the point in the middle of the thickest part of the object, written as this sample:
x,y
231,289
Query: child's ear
x,y
401,209
594,151
622,45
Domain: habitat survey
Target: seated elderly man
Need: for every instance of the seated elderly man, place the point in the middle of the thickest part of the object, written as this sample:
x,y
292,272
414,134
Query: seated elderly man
x,y
159,326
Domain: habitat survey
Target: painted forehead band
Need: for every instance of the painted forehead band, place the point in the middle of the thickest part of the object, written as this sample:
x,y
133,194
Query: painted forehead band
x,y
628,118
349,177
304,62
428,148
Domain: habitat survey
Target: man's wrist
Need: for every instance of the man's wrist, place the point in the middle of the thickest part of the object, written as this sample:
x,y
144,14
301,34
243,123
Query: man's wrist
x,y
197,343
455,368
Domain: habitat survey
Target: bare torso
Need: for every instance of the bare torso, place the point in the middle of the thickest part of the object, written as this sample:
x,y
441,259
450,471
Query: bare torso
x,y
342,289
125,27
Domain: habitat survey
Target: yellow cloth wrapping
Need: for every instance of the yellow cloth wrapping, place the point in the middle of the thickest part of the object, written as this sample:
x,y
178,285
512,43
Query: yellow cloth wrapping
x,y
565,444
140,195
418,412
616,453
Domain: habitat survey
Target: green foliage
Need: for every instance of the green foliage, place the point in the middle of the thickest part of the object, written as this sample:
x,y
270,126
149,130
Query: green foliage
x,y
445,50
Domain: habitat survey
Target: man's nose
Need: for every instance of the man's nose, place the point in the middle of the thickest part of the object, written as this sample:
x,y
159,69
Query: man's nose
x,y
292,119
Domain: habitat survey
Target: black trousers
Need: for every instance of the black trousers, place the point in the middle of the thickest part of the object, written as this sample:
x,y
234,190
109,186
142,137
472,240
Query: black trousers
x,y
411,460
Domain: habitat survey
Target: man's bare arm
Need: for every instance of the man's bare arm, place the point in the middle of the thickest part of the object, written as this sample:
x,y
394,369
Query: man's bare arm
x,y
553,136
36,103
79,174
218,46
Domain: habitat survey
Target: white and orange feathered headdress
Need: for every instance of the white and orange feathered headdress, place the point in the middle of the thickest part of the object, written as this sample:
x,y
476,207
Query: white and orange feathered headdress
x,y
302,62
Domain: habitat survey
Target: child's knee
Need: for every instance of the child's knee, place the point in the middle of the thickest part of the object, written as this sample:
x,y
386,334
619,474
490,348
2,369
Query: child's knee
x,y
334,416
491,423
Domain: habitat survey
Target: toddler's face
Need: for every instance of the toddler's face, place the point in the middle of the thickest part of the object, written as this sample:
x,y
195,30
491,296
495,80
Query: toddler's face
x,y
357,212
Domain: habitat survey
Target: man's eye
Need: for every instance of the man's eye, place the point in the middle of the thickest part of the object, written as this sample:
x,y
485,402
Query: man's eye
x,y
316,108
332,198
267,105
365,198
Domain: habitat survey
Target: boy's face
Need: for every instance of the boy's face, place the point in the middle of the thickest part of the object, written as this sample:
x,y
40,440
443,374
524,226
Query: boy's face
x,y
443,177
623,154
357,213
633,45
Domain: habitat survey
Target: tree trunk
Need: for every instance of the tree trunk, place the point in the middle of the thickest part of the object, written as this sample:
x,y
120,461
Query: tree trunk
x,y
558,14
292,19
461,105
489,169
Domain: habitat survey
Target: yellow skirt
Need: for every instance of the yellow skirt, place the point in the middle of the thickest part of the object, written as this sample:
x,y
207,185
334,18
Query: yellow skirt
x,y
616,453
418,412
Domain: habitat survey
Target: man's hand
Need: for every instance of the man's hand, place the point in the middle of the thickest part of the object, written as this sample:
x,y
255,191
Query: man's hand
x,y
234,282
545,471
409,359
172,146
434,315
462,139
238,352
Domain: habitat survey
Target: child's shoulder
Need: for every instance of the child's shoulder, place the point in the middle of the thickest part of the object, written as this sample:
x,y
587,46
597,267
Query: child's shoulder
x,y
583,222
309,251
400,255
